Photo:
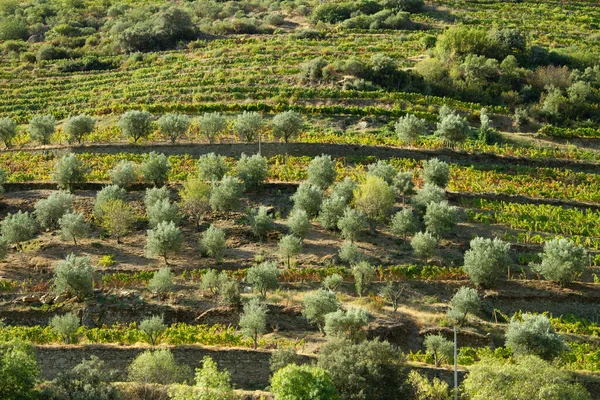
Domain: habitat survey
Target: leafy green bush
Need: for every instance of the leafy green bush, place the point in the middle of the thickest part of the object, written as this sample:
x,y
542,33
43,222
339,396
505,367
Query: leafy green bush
x,y
350,253
263,277
429,193
440,218
534,334
351,224
424,245
260,221
211,384
348,324
74,276
157,366
439,347
118,218
226,194
212,167
363,273
68,170
252,170
164,239
409,128
124,174
318,304
8,131
253,320
78,126
66,325
211,125
562,261
375,198
213,242
18,370
303,382
332,209
161,282
248,125
403,223
287,125
308,198
49,210
298,222
486,260
18,227
136,124
332,282
464,302
384,170
153,327
73,226
41,128
289,246
174,125
321,171
155,169
107,193
163,211
436,172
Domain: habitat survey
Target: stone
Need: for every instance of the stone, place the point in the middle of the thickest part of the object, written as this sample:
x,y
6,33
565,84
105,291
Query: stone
x,y
30,299
61,298
48,298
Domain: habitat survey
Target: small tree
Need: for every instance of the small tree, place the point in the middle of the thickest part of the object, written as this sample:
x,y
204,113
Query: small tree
x,y
375,198
211,384
195,199
8,131
162,211
287,125
79,126
436,172
308,198
248,125
73,226
155,169
260,222
155,195
210,281
153,327
253,320
332,282
344,189
392,292
107,193
348,324
439,347
534,334
17,228
298,222
423,389
164,239
429,193
73,276
212,167
118,218
136,124
403,184
18,370
321,171
318,304
409,128
363,273
252,170
263,277
464,302
41,128
211,125
124,174
66,325
174,125
225,195
404,223
485,260
349,253
229,292
48,211
282,357
68,170
332,209
440,218
424,245
289,246
156,366
303,382
213,242
161,282
452,128
562,261
351,223
383,170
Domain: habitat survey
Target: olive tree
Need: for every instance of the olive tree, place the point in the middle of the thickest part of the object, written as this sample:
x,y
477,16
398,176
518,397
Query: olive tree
x,y
464,302
153,327
332,282
124,174
344,189
363,273
211,125
260,222
174,125
289,246
213,243
287,125
263,277
155,168
423,245
41,128
211,384
429,193
486,260
212,167
118,218
351,224
225,195
404,223
73,226
562,261
67,171
252,170
440,218
375,198
253,320
248,125
409,128
332,209
49,210
164,239
436,172
154,195
452,128
384,170
308,198
349,324
157,366
303,382
534,334
392,292
74,276
18,370
18,227
66,325
8,131
349,253
90,379
298,222
318,304
161,282
321,171
439,347
78,126
403,184
195,199
107,193
136,124
162,211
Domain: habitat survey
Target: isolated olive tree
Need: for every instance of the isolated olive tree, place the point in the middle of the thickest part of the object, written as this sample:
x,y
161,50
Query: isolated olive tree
x,y
534,334
321,171
66,325
78,126
344,189
289,246
332,209
562,261
439,347
211,125
136,124
436,172
253,320
213,243
8,131
260,222
375,198
195,199
486,260
263,277
174,125
155,169
351,224
363,273
41,128
298,222
248,125
107,193
162,211
74,276
18,227
348,324
67,171
452,128
212,167
49,210
153,327
440,218
287,125
124,174
118,218
308,198
409,128
163,240
350,253
225,195
424,245
404,223
73,226
392,292
318,304
252,170
464,302
161,282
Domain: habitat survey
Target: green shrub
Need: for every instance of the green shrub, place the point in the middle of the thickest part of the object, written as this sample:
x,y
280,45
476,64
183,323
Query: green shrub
x,y
439,347
73,226
440,218
226,194
404,223
68,170
157,366
211,384
349,253
332,282
535,335
153,327
404,185
436,172
423,389
486,260
174,125
332,209
287,125
321,171
212,242
49,210
211,125
303,382
164,239
124,174
452,128
562,261
409,128
308,198
79,126
464,302
260,222
253,320
351,224
289,246
41,128
298,222
429,193
212,167
383,170
136,124
18,370
74,276
348,324
318,304
363,273
155,169
344,189
155,195
424,245
195,199
263,277
66,325
248,125
253,170
107,193
18,227
163,211
375,198
8,131
283,357
118,218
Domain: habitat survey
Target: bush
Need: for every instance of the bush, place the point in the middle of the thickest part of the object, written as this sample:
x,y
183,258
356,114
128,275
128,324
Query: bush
x,y
298,222
174,125
161,282
383,170
8,131
534,334
439,347
349,253
562,261
253,170
486,260
453,128
404,223
68,170
436,172
212,242
282,357
211,125
303,382
422,389
66,325
107,193
392,292
332,209
157,366
18,370
155,169
289,246
73,226
155,195
163,211
212,167
153,327
464,302
287,125
351,223
524,378
308,198
375,198
229,293
409,128
263,277
321,171
211,384
18,227
164,239
363,273
344,189
332,12
318,304
440,218
429,193
424,245
403,184
253,320
136,124
79,126
368,370
348,324
118,218
48,211
124,174
225,195
41,128
195,199
260,222
332,282
2,179
248,125
74,276
3,249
